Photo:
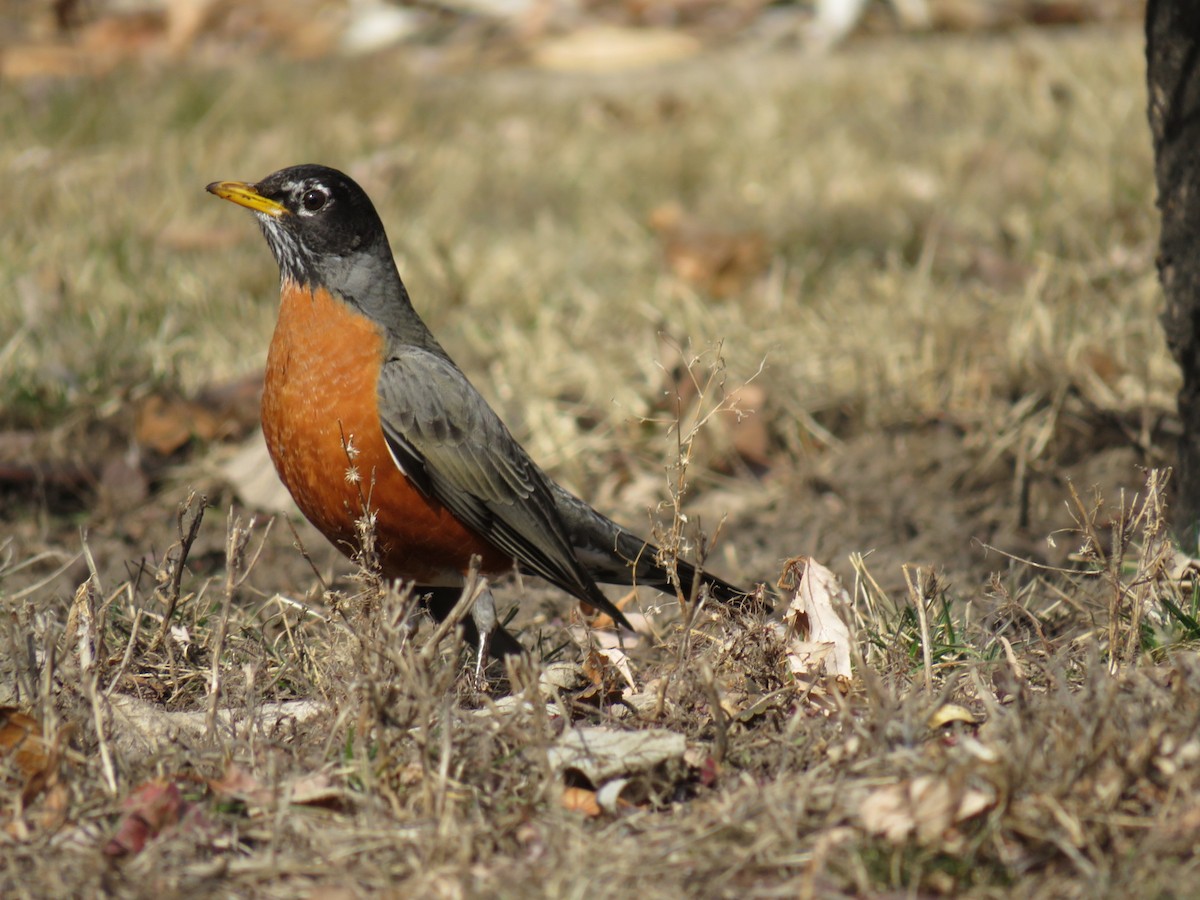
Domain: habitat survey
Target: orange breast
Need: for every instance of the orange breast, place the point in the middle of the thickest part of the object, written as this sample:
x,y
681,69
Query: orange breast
x,y
320,417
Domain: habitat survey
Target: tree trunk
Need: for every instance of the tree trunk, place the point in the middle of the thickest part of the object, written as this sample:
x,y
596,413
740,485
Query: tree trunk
x,y
1173,79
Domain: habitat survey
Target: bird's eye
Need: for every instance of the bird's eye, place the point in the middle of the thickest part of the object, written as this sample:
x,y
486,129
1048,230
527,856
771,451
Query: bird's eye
x,y
314,199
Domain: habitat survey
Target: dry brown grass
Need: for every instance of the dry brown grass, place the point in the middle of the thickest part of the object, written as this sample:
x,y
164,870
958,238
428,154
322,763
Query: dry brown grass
x,y
958,323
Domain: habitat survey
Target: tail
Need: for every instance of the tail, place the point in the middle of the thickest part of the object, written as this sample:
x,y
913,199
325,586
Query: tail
x,y
638,561
613,555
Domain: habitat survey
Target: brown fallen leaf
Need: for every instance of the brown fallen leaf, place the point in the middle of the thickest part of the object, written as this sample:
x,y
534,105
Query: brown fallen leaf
x,y
238,784
313,789
581,800
21,742
608,671
316,789
716,261
164,423
153,807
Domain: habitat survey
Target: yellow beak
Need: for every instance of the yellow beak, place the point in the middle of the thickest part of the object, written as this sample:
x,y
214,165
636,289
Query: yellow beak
x,y
246,195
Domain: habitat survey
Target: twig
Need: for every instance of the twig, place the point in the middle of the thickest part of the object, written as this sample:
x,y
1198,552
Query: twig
x,y
186,538
299,545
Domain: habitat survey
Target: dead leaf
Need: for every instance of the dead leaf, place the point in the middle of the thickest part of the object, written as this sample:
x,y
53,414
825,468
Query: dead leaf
x,y
599,754
561,676
618,659
608,670
152,808
604,48
948,713
925,807
252,475
717,261
812,615
807,657
608,798
238,784
164,424
313,789
21,742
580,800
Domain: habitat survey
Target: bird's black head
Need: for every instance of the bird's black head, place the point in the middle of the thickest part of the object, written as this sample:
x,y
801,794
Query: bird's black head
x,y
318,221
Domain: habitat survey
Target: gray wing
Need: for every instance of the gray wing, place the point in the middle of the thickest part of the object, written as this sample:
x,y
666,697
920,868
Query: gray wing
x,y
453,447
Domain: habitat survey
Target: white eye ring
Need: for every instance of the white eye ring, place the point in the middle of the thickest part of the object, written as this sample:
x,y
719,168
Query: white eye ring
x,y
313,200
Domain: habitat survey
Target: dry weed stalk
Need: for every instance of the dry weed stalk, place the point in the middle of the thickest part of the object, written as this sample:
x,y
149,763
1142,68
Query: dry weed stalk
x,y
685,426
237,569
1133,579
170,574
706,374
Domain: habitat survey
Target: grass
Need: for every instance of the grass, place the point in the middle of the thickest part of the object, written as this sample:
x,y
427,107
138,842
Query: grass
x,y
962,378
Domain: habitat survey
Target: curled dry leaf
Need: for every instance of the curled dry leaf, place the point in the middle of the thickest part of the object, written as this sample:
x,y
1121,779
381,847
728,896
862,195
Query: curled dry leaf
x,y
607,671
812,619
608,798
949,713
316,789
235,782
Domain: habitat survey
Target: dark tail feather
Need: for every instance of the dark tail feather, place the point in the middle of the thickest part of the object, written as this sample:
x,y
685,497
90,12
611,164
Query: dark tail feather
x,y
613,555
646,570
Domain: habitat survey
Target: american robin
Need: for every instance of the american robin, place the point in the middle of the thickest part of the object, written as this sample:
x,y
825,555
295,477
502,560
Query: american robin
x,y
362,406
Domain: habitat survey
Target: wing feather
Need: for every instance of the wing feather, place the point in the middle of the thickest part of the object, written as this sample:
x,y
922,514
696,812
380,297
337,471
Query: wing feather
x,y
455,449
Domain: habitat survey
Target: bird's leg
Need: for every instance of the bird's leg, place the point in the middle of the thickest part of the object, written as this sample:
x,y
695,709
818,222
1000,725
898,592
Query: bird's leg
x,y
483,614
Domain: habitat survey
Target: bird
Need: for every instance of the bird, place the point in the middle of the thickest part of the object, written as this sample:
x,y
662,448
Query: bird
x,y
364,412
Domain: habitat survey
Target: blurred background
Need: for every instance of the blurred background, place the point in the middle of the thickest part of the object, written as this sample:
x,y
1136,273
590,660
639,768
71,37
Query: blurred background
x,y
862,276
